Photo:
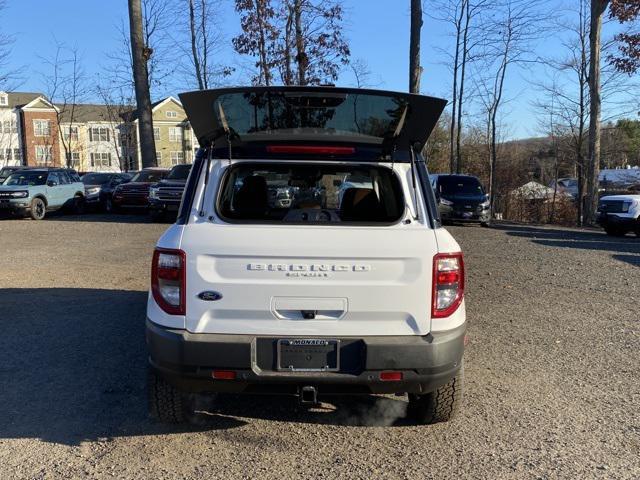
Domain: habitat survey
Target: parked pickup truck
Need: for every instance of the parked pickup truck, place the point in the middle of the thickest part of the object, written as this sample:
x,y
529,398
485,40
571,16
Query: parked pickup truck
x,y
165,196
329,293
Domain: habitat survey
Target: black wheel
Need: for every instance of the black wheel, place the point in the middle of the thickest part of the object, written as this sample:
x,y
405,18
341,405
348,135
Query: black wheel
x,y
638,228
77,207
615,231
166,403
38,209
157,216
485,224
440,405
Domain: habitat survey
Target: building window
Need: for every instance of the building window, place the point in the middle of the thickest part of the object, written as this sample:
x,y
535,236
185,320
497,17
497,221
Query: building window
x,y
156,133
175,134
100,159
99,134
73,159
10,126
44,154
41,128
70,133
158,157
177,158
17,154
172,114
8,154
4,99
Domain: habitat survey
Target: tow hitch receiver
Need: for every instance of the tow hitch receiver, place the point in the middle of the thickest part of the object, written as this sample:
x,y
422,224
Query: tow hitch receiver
x,y
308,395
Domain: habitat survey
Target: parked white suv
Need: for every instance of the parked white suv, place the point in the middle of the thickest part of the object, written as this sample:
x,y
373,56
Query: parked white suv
x,y
619,214
354,290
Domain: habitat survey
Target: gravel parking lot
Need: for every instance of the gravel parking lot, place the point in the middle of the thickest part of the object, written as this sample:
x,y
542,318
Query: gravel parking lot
x,y
552,370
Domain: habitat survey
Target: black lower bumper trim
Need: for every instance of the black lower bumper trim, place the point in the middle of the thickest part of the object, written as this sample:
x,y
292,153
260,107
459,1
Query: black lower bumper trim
x,y
187,360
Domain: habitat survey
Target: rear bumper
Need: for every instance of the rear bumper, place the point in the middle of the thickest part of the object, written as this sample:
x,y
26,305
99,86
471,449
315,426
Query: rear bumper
x,y
187,360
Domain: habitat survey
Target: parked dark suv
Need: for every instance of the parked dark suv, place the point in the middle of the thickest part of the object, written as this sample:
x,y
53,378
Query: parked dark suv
x,y
99,188
461,198
165,196
135,194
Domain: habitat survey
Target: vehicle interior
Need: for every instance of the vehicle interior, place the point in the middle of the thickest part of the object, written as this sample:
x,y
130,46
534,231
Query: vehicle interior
x,y
299,193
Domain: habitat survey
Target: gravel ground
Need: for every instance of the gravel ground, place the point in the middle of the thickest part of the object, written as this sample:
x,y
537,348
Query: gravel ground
x,y
552,370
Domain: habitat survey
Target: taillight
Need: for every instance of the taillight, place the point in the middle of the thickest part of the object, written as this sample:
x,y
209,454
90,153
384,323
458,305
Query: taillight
x,y
448,284
168,280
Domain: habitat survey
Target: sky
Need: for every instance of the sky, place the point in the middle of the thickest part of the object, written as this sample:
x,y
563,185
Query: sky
x,y
377,31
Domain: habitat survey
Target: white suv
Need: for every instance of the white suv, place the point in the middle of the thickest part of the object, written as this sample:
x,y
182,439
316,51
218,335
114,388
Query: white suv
x,y
354,290
619,214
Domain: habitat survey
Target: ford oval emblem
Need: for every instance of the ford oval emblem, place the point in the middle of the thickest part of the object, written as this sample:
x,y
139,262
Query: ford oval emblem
x,y
209,296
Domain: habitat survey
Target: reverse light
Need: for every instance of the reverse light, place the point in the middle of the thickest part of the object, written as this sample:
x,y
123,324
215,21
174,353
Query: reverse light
x,y
311,149
448,284
168,280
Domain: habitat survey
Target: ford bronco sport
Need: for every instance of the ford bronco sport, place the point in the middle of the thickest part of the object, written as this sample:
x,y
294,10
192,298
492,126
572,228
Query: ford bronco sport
x,y
349,287
36,191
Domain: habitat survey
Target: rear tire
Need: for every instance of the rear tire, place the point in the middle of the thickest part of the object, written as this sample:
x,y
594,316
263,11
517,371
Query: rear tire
x,y
38,209
440,405
166,403
485,224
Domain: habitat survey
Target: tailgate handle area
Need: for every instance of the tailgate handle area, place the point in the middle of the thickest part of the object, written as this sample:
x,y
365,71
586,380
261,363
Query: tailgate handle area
x,y
308,308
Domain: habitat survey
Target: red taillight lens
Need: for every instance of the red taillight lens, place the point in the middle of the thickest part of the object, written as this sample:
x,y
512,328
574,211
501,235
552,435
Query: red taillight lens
x,y
448,284
168,280
390,376
311,149
223,375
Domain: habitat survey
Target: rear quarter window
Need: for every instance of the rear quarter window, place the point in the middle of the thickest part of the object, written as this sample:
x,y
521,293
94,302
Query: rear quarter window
x,y
310,193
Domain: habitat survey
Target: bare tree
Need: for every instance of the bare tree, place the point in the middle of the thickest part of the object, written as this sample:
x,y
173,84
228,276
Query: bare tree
x,y
66,86
513,32
119,107
415,70
598,7
8,76
140,53
312,29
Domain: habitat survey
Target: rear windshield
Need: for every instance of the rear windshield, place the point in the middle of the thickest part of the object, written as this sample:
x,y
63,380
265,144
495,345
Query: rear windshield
x,y
293,114
295,193
459,186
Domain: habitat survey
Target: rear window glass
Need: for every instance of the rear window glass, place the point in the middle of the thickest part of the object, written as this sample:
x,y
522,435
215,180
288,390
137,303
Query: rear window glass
x,y
179,172
296,193
149,176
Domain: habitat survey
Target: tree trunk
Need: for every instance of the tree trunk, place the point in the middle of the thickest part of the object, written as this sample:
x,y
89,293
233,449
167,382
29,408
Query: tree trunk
x,y
262,47
593,166
288,76
415,71
140,54
301,54
454,99
463,68
194,44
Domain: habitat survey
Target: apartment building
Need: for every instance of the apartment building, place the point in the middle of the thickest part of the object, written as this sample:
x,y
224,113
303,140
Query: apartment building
x,y
174,139
88,137
10,126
